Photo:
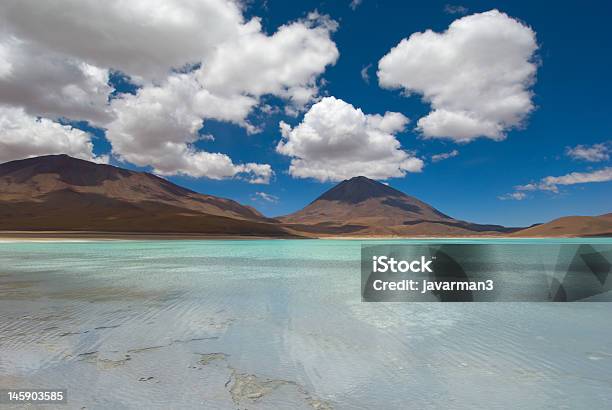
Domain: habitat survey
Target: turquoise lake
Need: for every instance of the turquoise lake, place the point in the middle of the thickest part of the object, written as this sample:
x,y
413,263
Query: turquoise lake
x,y
263,324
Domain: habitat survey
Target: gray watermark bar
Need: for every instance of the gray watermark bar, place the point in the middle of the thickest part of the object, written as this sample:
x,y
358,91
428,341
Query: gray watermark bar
x,y
506,272
33,396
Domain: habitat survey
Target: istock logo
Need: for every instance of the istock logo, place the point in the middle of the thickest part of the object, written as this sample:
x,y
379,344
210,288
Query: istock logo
x,y
385,264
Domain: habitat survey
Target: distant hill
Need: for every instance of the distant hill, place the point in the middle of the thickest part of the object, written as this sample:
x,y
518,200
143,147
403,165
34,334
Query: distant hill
x,y
362,206
58,192
571,226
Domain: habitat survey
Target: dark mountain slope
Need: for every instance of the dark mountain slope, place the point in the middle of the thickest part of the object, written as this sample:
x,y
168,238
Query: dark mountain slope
x,y
361,206
58,192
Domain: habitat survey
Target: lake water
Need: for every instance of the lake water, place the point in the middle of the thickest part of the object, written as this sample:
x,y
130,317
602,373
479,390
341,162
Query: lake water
x,y
279,324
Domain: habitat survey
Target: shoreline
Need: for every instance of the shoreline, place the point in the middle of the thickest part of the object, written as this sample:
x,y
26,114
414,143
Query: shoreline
x,y
81,236
63,236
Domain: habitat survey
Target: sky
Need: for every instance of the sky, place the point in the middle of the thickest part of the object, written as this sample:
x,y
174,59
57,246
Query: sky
x,y
492,112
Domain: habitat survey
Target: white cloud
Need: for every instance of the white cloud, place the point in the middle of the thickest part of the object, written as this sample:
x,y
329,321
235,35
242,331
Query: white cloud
x,y
592,153
232,63
516,196
602,175
455,9
535,187
144,38
551,183
444,155
57,54
6,65
354,4
52,85
159,125
337,141
23,136
258,173
265,197
365,75
285,64
476,75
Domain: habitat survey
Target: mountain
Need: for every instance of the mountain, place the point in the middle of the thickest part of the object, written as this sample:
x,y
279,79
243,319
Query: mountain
x,y
61,193
571,226
362,206
58,192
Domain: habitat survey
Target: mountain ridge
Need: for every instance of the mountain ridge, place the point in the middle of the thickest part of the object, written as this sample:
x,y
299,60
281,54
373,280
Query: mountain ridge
x,y
58,192
61,193
34,177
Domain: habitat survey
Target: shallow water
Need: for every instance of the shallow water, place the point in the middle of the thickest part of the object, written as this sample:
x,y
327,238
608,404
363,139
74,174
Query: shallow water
x,y
278,324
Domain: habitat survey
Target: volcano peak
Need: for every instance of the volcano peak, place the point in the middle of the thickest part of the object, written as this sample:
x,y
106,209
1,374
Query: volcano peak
x,y
359,189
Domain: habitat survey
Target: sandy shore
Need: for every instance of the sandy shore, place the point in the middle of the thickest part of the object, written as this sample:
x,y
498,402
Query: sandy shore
x,y
97,236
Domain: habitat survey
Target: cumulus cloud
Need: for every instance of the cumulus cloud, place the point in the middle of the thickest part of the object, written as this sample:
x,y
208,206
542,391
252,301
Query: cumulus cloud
x,y
63,71
144,38
24,136
159,125
590,153
336,141
444,155
476,76
193,60
285,64
50,84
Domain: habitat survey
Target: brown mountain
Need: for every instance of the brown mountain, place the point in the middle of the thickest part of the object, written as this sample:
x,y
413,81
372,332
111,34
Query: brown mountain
x,y
361,206
571,226
58,192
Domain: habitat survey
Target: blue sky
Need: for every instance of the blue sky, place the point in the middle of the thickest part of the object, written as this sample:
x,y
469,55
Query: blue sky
x,y
570,94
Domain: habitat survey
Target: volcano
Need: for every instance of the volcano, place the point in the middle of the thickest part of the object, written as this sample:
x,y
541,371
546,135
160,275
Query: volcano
x,y
362,206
